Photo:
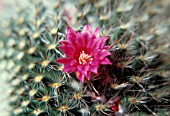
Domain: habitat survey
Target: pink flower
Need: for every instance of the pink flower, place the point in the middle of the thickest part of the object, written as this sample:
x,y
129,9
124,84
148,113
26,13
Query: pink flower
x,y
85,51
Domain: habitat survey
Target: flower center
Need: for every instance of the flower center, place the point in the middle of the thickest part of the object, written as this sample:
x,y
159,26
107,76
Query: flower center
x,y
85,58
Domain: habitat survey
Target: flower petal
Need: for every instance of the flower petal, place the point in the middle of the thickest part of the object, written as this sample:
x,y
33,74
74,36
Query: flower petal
x,y
87,29
94,69
101,41
95,62
102,54
71,35
88,75
106,47
68,50
80,76
97,32
63,60
105,61
70,30
68,69
83,69
64,42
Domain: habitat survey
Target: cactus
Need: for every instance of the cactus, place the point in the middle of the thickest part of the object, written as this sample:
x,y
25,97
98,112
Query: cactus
x,y
133,81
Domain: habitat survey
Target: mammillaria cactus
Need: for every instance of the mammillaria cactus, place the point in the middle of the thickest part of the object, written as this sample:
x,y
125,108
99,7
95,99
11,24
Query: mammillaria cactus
x,y
63,67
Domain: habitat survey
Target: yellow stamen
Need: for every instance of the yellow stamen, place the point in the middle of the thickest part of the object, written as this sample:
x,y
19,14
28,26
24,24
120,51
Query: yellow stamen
x,y
85,58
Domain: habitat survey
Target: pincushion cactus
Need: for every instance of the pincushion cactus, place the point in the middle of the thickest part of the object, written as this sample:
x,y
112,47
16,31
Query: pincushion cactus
x,y
120,68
